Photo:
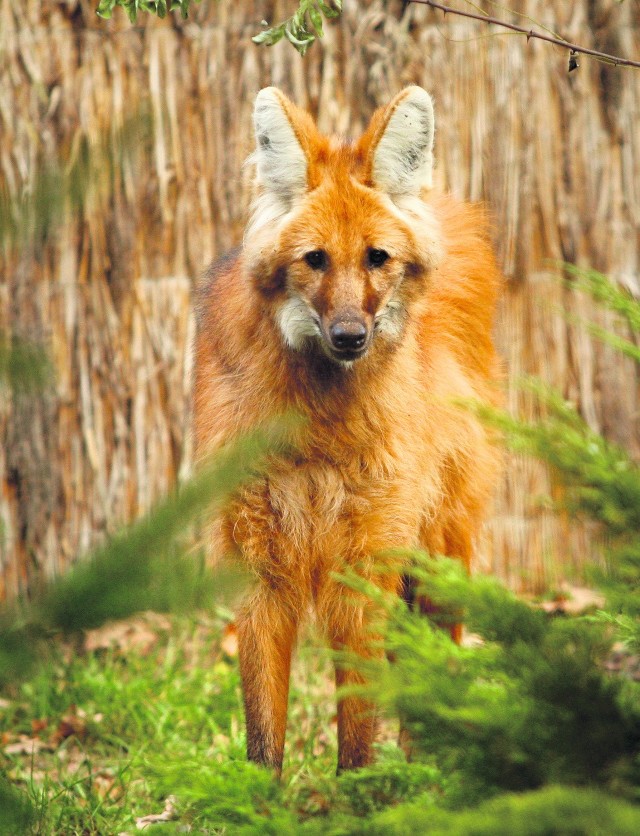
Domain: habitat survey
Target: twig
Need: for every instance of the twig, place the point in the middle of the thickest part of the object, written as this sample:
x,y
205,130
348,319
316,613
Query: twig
x,y
532,33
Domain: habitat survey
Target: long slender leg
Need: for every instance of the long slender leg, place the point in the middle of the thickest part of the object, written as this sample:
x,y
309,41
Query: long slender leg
x,y
357,724
453,542
267,629
436,541
458,544
347,619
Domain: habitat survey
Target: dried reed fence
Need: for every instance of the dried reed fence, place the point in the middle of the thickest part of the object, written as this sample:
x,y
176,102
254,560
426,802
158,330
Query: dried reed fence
x,y
556,157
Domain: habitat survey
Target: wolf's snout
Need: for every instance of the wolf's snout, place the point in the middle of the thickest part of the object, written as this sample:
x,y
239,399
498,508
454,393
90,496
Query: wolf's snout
x,y
348,335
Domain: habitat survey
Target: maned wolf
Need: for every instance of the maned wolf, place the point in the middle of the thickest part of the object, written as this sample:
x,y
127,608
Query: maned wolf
x,y
365,302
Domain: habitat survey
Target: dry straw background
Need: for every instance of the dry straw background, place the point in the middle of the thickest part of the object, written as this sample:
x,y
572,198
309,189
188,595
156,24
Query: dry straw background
x,y
556,156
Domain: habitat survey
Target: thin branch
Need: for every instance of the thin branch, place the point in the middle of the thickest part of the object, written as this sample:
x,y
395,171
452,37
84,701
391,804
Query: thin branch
x,y
532,33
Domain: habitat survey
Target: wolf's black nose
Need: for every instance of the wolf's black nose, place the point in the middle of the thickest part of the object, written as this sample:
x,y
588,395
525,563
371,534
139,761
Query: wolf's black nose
x,y
348,335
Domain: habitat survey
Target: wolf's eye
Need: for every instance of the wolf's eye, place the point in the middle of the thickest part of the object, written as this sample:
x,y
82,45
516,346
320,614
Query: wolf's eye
x,y
376,258
316,259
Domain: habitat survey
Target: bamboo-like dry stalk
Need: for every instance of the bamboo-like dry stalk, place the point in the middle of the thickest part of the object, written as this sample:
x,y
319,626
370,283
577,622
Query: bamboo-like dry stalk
x,y
556,156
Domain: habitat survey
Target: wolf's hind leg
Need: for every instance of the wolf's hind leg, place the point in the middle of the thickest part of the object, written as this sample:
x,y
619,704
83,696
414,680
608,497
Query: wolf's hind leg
x,y
348,620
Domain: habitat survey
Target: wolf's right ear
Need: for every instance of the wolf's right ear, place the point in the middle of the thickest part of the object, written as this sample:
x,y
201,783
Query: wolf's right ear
x,y
279,156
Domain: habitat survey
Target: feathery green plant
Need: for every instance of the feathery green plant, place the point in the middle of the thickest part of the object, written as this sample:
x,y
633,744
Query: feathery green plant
x,y
530,706
601,479
147,567
143,568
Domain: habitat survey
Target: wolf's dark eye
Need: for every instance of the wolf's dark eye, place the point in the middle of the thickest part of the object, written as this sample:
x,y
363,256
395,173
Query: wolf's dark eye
x,y
376,258
316,259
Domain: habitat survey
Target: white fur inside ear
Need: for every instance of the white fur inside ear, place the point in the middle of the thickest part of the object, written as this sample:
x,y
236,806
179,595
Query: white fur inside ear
x,y
281,162
403,158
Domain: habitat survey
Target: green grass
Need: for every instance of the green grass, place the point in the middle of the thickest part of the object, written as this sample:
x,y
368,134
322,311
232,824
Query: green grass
x,y
124,710
151,709
119,729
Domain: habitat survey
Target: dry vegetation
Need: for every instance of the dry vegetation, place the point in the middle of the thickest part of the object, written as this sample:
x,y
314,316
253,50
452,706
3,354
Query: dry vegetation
x,y
555,156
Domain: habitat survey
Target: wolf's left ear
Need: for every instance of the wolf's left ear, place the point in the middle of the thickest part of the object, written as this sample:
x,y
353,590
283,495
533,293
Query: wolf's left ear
x,y
281,161
401,149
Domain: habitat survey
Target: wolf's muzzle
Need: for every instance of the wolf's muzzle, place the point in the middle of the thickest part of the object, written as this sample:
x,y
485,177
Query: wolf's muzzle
x,y
348,336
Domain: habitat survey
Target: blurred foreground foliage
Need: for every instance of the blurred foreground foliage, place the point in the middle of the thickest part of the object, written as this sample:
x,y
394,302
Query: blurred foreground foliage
x,y
524,731
529,705
24,366
149,566
601,479
60,187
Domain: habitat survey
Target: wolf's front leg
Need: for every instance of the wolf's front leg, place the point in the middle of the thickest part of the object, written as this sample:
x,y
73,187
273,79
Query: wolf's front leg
x,y
267,628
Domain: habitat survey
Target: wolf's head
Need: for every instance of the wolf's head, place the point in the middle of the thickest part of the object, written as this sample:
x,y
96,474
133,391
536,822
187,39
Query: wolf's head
x,y
340,241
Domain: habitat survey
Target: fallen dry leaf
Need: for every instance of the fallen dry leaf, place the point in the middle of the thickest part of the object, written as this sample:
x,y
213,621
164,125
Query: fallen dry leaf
x,y
140,633
39,725
623,662
168,814
26,745
73,758
105,785
73,724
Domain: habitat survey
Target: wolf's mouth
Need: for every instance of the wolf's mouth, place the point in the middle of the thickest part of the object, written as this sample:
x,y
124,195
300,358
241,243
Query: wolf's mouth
x,y
345,355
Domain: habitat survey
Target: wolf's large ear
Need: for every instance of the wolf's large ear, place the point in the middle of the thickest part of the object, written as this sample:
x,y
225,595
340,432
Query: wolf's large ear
x,y
279,156
401,144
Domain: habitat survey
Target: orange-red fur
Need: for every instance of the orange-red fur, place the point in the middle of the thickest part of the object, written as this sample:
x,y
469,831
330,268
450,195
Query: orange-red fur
x,y
386,458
